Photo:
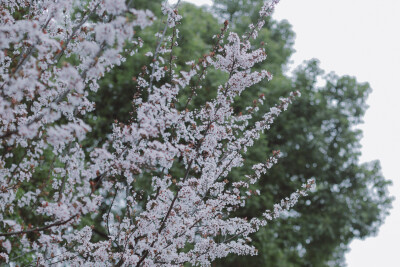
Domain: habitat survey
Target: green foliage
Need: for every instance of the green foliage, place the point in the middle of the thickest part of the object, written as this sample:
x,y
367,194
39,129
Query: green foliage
x,y
237,10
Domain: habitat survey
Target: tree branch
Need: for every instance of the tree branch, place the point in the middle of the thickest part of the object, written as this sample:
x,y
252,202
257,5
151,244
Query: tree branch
x,y
39,228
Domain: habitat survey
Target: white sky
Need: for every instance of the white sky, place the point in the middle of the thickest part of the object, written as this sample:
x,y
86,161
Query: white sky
x,y
359,38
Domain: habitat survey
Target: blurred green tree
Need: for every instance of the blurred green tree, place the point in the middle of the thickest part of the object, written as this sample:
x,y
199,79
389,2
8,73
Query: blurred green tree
x,y
319,138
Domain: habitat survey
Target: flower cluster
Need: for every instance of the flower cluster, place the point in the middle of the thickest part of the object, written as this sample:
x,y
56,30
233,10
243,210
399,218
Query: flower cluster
x,y
158,192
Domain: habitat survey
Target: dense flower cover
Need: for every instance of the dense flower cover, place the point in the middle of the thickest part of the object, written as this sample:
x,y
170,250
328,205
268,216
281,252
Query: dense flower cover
x,y
52,54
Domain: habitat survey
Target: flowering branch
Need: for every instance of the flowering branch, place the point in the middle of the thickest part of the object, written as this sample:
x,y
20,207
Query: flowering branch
x,y
53,56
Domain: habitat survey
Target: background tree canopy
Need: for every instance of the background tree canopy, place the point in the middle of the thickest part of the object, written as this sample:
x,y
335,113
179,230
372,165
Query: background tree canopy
x,y
317,137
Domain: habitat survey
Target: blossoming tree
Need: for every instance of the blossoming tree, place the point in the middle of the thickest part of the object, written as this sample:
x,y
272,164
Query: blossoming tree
x,y
52,55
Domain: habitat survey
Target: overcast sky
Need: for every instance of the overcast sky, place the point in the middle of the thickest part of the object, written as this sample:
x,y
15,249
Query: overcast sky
x,y
359,38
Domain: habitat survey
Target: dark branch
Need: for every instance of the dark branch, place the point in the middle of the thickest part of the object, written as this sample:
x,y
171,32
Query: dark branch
x,y
39,228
